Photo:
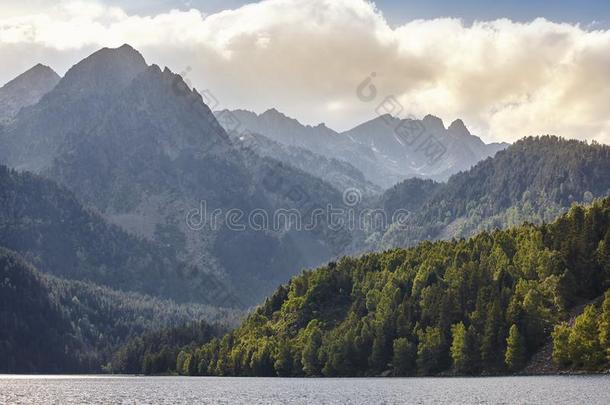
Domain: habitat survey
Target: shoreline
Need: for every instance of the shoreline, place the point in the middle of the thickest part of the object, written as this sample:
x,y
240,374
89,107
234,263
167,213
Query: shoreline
x,y
117,376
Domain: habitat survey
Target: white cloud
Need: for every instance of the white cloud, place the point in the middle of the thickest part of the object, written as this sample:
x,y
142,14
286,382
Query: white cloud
x,y
306,57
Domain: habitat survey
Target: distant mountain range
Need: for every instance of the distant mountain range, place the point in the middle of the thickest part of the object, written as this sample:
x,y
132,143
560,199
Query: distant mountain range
x,y
135,143
386,150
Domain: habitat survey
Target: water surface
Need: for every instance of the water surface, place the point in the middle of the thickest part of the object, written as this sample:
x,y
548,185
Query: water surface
x,y
212,390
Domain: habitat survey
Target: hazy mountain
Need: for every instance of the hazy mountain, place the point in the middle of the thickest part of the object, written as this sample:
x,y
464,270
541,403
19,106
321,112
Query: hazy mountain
x,y
422,148
137,144
319,139
533,180
338,173
386,149
281,128
71,109
26,90
47,225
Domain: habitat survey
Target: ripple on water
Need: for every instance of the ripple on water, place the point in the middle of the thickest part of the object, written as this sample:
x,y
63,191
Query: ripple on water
x,y
183,390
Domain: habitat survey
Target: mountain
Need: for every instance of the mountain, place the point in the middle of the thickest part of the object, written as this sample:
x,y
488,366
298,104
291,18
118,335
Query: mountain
x,y
477,306
52,325
422,148
281,128
386,149
137,145
72,108
26,90
534,180
320,140
339,173
48,226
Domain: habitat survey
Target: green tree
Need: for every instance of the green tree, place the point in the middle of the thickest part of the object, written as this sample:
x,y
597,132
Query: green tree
x,y
187,365
604,326
180,360
403,358
283,360
379,353
463,350
515,349
493,340
585,348
310,359
147,365
430,351
261,362
561,347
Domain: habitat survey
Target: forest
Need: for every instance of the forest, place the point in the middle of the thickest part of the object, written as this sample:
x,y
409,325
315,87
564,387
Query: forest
x,y
53,325
473,306
534,180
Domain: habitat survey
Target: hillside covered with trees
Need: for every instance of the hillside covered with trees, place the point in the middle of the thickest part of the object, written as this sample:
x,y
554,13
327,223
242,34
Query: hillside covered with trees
x,y
585,344
534,180
53,325
482,305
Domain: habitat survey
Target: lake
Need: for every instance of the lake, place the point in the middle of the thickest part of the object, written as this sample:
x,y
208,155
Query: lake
x,y
213,390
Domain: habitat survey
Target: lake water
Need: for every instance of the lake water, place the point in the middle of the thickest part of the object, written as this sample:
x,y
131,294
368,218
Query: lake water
x,y
177,390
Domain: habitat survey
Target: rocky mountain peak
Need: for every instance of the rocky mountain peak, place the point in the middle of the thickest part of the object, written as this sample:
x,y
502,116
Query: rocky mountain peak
x,y
458,127
433,123
105,71
26,89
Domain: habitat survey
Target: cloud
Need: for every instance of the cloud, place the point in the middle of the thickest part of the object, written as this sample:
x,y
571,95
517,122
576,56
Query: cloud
x,y
307,57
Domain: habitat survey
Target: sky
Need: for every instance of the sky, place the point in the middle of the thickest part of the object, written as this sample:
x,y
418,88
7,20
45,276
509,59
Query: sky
x,y
508,69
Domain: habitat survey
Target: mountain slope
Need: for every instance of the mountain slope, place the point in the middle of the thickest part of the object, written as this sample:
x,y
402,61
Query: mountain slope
x,y
534,180
26,90
176,158
470,306
48,226
51,325
338,173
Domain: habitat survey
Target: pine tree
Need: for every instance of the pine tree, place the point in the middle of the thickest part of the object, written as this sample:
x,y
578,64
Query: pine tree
x,y
311,363
602,255
430,351
403,358
283,360
585,349
561,348
147,364
180,360
459,349
604,326
515,349
494,338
